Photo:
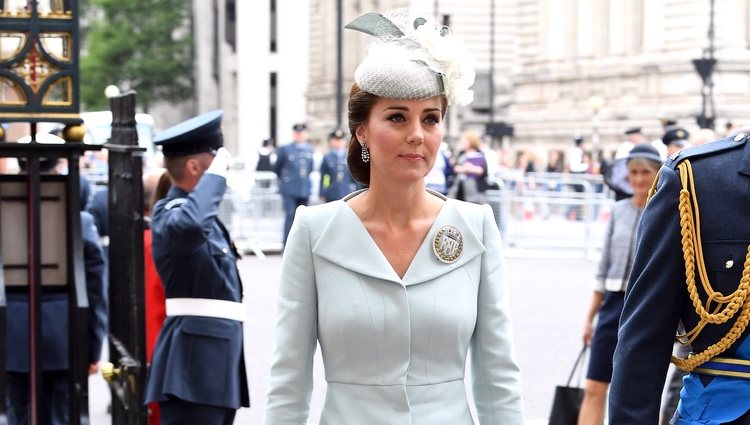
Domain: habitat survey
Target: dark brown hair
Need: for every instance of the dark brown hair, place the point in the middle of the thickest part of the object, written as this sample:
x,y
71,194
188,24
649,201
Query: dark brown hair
x,y
360,105
162,188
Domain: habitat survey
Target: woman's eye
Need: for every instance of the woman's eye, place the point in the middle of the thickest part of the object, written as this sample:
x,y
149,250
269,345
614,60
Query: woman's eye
x,y
396,118
432,120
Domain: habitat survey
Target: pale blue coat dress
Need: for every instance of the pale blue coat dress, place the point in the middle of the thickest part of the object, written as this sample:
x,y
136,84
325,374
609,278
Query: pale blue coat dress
x,y
394,350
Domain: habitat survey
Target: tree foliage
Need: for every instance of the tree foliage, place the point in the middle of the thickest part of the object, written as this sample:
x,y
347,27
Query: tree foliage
x,y
143,45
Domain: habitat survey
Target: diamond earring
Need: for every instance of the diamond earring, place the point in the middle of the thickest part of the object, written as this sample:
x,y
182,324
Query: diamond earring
x,y
365,152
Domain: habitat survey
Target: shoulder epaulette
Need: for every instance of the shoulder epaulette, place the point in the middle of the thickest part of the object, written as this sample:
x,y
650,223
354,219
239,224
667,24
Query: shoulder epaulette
x,y
720,145
174,203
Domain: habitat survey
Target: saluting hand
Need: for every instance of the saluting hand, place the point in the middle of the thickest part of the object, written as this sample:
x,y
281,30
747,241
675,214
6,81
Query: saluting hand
x,y
220,163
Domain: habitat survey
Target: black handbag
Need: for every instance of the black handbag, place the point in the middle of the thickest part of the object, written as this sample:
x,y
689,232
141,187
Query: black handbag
x,y
567,401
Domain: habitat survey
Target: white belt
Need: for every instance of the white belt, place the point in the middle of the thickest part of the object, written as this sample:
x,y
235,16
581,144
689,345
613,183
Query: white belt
x,y
206,307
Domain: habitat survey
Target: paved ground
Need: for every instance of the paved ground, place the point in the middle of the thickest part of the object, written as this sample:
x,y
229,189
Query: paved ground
x,y
549,296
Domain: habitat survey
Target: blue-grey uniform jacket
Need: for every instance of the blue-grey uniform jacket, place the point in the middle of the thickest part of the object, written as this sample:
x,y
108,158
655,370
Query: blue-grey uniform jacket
x,y
294,162
335,179
55,314
197,359
657,296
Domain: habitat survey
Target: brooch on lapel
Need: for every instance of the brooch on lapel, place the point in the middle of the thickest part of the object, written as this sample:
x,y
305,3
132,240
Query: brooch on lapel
x,y
448,244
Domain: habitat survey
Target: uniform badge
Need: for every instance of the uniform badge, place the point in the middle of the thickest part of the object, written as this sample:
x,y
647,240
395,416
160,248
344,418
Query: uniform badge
x,y
448,244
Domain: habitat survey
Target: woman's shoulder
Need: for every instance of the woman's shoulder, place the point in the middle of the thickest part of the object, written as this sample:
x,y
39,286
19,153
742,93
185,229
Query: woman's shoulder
x,y
323,211
470,211
623,206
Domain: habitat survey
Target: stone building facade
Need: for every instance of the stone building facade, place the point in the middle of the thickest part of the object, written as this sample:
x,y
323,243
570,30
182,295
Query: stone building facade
x,y
634,56
566,67
552,59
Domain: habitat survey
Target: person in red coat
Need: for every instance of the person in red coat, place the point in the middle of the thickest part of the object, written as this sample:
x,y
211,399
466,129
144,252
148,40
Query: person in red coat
x,y
155,186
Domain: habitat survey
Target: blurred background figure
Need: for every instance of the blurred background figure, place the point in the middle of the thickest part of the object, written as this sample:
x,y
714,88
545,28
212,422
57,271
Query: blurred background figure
x,y
578,163
266,162
439,178
335,179
703,136
643,163
470,168
666,123
526,162
266,156
633,136
675,138
576,158
555,161
294,163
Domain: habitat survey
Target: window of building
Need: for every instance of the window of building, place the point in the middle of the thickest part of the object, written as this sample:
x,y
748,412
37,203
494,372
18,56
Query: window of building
x,y
215,42
273,24
273,106
230,23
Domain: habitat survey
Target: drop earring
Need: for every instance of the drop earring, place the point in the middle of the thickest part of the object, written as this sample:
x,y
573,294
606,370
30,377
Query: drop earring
x,y
365,152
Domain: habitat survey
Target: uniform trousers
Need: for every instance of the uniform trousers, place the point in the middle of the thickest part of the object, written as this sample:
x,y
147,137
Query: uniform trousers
x,y
290,207
179,412
54,390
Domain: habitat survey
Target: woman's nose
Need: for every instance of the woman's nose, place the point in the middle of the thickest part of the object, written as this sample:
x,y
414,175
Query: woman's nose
x,y
416,134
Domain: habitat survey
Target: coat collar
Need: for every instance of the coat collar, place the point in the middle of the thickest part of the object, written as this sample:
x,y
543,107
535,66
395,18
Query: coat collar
x,y
346,243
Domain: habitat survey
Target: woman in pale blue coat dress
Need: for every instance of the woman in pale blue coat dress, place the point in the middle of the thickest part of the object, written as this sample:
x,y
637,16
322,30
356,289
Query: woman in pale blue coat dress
x,y
398,284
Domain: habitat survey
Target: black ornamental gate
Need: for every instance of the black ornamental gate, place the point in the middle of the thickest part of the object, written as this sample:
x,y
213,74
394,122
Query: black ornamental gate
x,y
127,340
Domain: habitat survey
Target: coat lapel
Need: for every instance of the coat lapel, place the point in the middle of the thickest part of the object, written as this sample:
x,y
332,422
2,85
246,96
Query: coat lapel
x,y
345,242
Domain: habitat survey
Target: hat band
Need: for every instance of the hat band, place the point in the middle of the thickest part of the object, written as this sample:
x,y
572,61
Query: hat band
x,y
201,145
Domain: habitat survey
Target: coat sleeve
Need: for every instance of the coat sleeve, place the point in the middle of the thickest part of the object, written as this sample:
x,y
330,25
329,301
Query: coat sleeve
x,y
291,380
495,374
280,161
601,274
96,286
653,302
324,171
188,224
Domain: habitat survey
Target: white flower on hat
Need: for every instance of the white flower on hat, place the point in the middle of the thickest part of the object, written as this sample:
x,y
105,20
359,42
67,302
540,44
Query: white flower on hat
x,y
446,54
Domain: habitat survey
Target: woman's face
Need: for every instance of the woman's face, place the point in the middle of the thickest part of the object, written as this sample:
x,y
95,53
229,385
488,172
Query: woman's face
x,y
403,137
641,176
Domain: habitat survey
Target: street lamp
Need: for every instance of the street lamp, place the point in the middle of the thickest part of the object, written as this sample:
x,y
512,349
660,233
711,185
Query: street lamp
x,y
705,66
111,91
595,103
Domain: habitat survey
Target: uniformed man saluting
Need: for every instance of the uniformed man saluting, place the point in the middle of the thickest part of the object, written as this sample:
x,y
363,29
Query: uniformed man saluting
x,y
197,373
691,267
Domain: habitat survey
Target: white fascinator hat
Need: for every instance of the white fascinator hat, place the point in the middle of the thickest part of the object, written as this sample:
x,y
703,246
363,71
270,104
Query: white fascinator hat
x,y
413,58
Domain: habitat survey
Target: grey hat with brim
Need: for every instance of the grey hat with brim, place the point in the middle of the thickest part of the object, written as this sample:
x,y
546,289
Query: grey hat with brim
x,y
644,151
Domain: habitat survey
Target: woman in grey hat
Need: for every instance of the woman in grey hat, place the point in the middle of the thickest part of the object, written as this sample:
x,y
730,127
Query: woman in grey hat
x,y
643,163
395,282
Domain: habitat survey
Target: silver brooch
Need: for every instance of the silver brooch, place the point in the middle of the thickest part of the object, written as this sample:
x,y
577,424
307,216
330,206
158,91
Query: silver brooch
x,y
448,244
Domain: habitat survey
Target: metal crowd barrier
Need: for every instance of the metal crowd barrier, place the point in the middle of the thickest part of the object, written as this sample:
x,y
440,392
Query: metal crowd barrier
x,y
545,211
255,220
537,211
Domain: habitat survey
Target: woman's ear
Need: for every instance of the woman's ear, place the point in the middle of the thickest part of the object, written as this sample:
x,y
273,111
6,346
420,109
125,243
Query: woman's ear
x,y
361,134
